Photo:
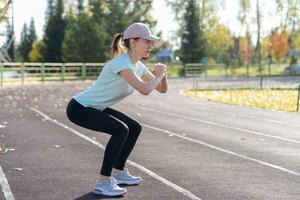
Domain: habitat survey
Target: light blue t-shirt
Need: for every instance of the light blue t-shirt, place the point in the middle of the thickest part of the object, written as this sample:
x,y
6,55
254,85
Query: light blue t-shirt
x,y
110,87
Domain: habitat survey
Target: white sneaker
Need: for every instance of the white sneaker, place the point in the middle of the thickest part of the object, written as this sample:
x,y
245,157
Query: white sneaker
x,y
108,187
123,177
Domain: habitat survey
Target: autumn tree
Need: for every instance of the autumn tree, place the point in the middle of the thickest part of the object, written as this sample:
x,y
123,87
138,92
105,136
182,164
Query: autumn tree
x,y
35,54
245,48
278,45
244,8
218,39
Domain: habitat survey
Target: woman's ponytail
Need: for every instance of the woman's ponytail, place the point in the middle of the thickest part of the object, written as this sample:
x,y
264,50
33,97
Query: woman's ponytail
x,y
116,46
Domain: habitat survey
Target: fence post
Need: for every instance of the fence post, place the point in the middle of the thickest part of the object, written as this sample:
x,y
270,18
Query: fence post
x,y
43,72
1,74
63,69
22,73
247,66
83,72
298,98
196,87
185,70
261,82
206,66
226,70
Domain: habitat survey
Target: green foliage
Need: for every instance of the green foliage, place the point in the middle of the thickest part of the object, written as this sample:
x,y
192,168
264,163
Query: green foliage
x,y
28,37
116,16
83,40
35,53
244,11
218,38
192,44
54,32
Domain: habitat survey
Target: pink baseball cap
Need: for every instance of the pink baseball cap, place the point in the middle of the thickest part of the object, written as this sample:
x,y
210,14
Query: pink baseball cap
x,y
139,30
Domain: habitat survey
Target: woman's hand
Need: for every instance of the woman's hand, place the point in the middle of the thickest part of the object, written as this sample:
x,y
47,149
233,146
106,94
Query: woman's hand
x,y
159,69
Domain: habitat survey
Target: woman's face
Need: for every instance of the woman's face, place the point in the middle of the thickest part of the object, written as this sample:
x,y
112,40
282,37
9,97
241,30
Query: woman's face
x,y
142,47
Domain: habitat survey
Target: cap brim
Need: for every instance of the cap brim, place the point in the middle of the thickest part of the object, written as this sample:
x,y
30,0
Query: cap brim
x,y
151,38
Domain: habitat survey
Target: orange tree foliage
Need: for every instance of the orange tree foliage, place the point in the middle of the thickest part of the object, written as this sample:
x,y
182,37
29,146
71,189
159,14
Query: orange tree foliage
x,y
246,50
278,45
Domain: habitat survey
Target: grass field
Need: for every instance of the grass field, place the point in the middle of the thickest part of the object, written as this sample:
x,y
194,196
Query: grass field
x,y
270,99
177,69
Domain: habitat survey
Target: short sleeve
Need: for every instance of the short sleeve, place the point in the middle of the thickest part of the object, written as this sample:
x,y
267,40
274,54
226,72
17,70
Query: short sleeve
x,y
120,63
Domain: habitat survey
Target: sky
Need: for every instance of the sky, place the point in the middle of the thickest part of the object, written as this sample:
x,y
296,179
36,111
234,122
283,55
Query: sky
x,y
24,10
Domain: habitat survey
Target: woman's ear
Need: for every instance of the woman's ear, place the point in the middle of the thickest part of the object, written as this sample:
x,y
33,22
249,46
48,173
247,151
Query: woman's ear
x,y
132,43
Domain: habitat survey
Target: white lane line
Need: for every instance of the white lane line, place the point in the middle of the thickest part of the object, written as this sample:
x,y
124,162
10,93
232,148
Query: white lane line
x,y
224,150
221,125
251,117
5,186
140,167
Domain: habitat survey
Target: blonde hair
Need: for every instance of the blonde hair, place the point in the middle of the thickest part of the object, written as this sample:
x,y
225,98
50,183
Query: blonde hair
x,y
117,46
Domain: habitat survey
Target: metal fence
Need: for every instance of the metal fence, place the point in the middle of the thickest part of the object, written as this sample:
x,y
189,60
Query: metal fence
x,y
222,70
30,72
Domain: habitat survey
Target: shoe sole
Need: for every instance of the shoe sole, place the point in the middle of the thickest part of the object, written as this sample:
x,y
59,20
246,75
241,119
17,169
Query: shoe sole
x,y
128,182
97,192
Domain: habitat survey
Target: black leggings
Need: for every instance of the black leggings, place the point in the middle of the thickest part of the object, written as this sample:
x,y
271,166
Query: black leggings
x,y
124,132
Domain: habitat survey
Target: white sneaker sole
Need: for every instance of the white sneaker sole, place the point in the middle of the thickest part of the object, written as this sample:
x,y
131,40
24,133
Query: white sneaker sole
x,y
107,193
124,182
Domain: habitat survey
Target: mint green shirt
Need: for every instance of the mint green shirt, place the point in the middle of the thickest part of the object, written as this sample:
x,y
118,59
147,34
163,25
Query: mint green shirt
x,y
110,87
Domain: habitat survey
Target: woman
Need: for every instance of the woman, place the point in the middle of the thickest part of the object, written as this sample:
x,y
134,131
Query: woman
x,y
118,79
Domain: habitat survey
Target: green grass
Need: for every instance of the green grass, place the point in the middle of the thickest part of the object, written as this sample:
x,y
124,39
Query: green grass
x,y
177,69
251,70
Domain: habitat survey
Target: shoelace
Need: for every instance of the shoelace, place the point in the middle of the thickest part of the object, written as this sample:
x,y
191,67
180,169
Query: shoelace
x,y
112,183
125,172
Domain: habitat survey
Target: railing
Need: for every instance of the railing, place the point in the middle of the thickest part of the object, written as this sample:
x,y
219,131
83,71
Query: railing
x,y
16,72
222,70
200,69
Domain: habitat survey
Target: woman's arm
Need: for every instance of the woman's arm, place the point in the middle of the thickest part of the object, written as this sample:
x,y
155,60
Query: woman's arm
x,y
143,87
163,85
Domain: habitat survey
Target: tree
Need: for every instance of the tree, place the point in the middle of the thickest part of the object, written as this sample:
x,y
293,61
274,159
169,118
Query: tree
x,y
115,21
25,45
83,40
218,38
23,48
54,32
115,16
35,53
245,47
258,44
278,45
289,12
32,37
192,42
243,12
242,17
28,37
10,43
4,8
297,40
